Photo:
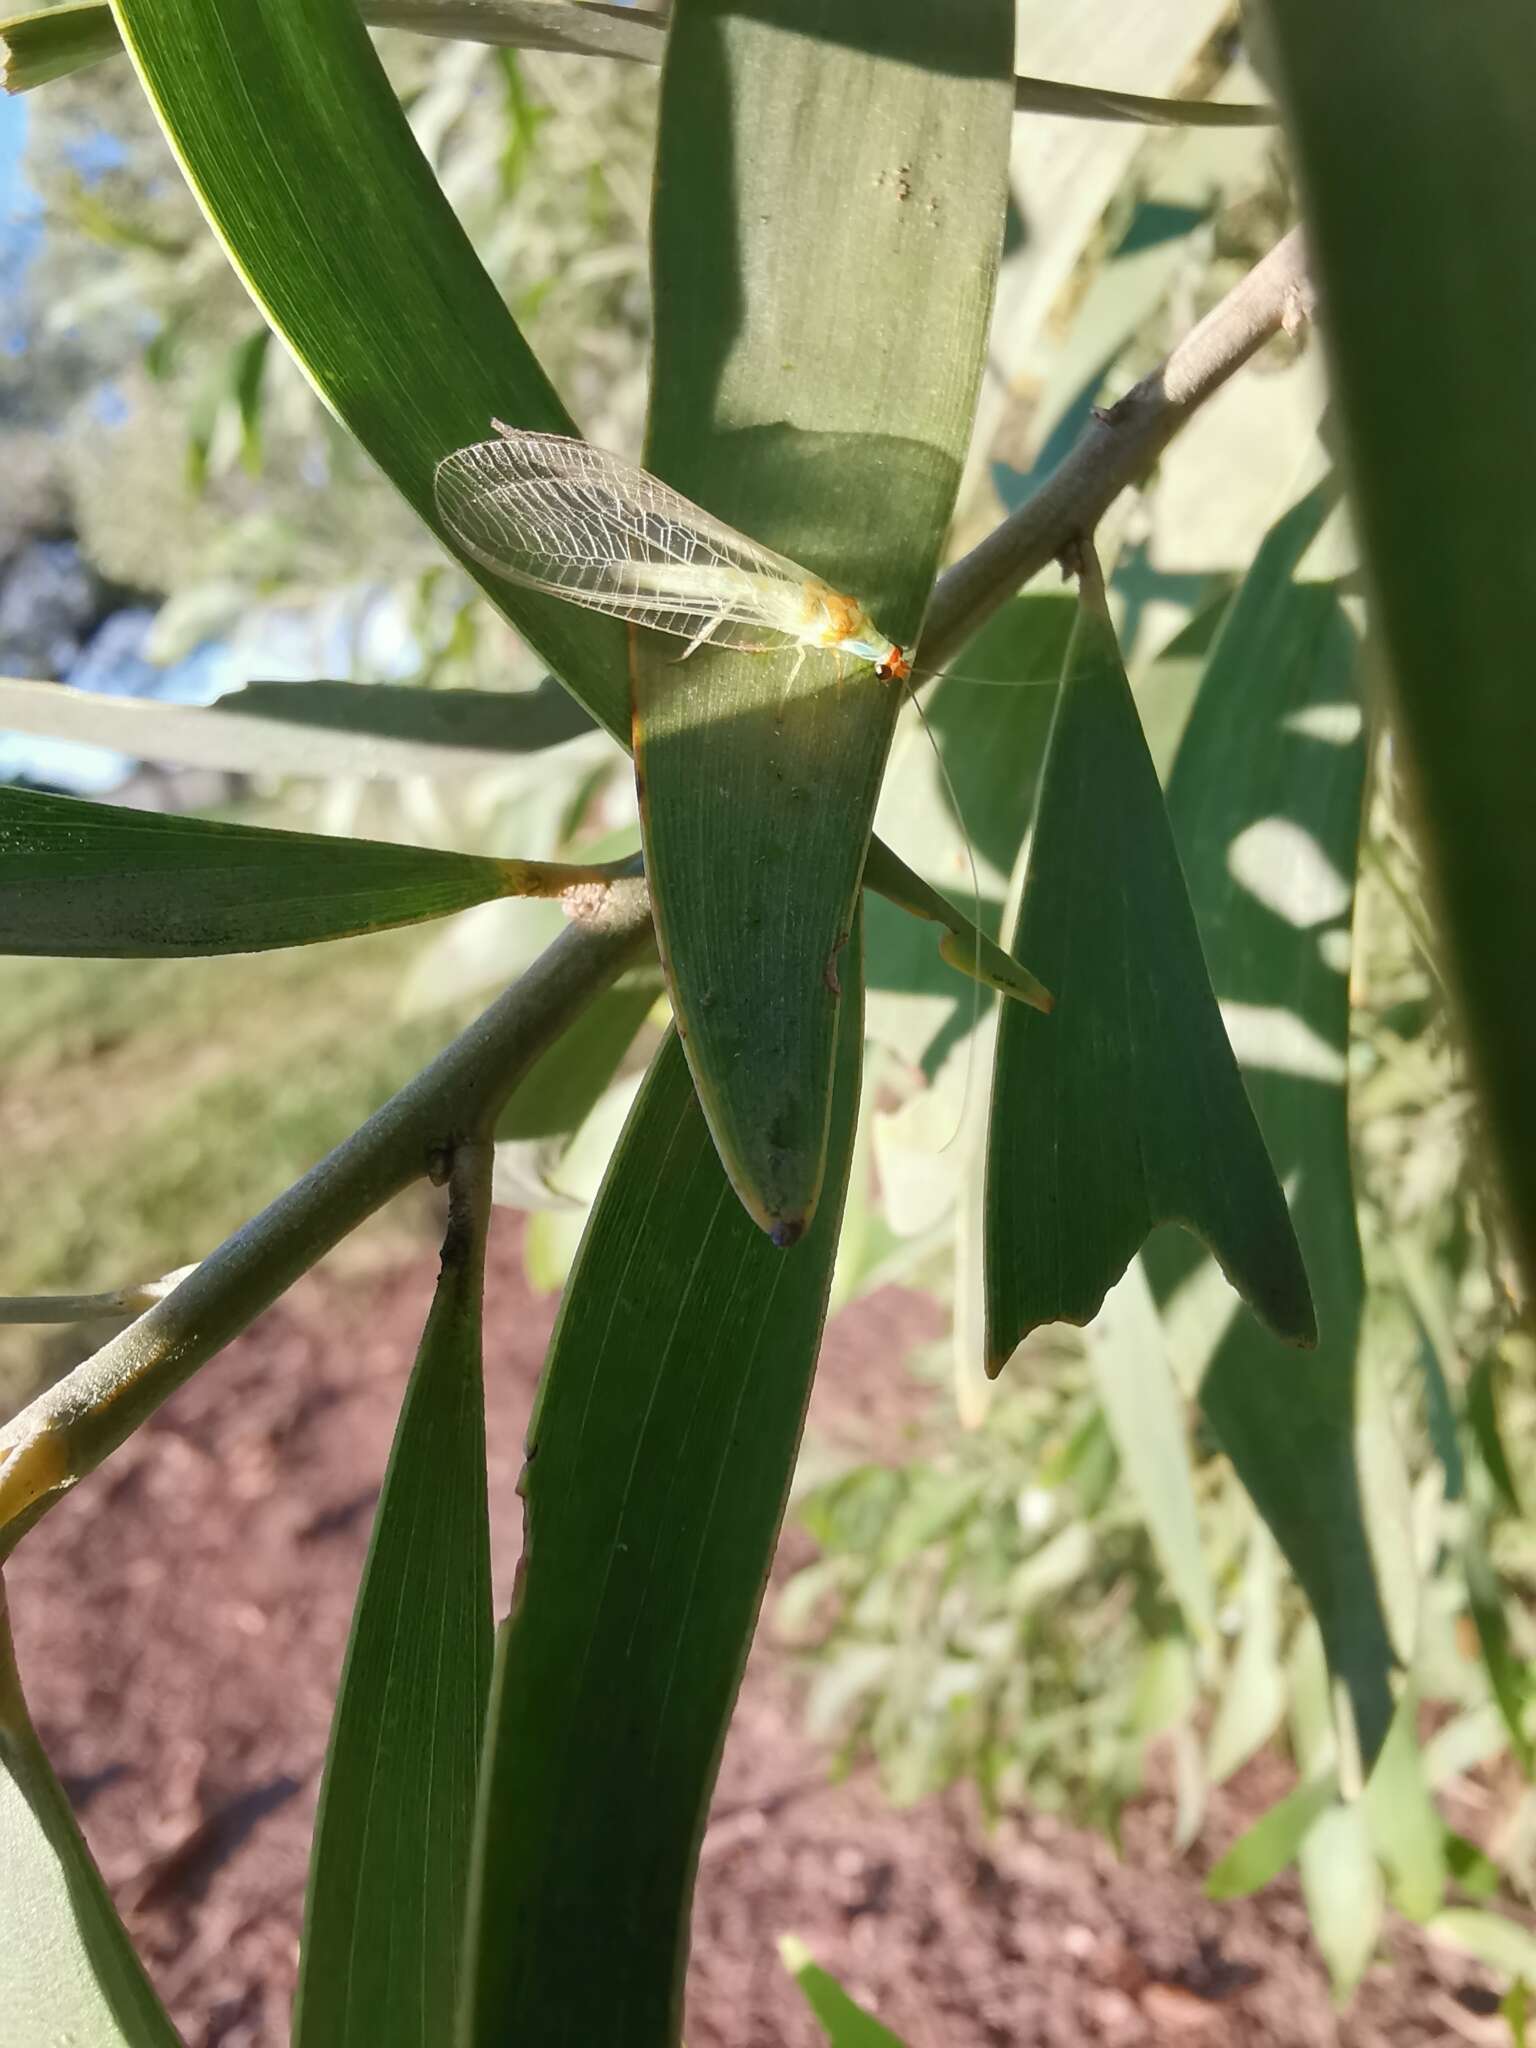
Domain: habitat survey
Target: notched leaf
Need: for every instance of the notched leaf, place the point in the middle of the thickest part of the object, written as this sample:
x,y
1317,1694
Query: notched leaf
x,y
1127,1110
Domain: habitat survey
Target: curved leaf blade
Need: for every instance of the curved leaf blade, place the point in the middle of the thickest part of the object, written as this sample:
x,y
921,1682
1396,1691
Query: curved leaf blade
x,y
71,1973
830,194
329,211
659,1459
96,881
1265,800
1416,151
389,1872
1125,1108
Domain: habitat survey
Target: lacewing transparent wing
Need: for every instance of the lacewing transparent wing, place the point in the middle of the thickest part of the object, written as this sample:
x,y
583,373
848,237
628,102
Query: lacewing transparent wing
x,y
573,521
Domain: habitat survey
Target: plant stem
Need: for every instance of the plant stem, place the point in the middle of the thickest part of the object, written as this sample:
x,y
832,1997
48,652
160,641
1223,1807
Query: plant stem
x,y
68,1430
1117,448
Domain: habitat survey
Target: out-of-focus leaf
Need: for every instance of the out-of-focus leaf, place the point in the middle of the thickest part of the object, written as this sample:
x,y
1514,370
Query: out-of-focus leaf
x,y
1501,1944
845,2024
1408,1834
1341,1882
878,129
341,233
37,48
1147,1421
71,1974
1416,150
389,1873
561,1088
1265,798
1437,1355
1473,1873
1253,1698
320,728
1509,1679
1514,2010
1125,1108
97,881
1271,1843
659,1459
1483,1420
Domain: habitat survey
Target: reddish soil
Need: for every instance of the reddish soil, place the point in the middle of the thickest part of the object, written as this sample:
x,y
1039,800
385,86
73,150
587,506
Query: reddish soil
x,y
180,1622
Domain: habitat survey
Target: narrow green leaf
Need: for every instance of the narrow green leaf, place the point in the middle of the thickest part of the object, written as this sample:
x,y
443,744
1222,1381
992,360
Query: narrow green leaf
x,y
1408,1834
1146,1417
1271,1843
1501,1944
97,881
299,153
459,721
71,1974
1265,801
962,947
1125,1108
37,48
1509,1678
1416,152
1341,1882
330,214
831,186
659,1460
1253,1699
1514,2010
1483,1421
309,729
1472,1870
560,1089
380,1958
845,2023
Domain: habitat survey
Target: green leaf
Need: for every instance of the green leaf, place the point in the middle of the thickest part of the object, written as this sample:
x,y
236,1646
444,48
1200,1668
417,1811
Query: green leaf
x,y
1272,1842
71,1974
1125,1108
845,2024
309,729
1146,1417
1416,151
560,1089
1483,1420
1265,801
329,211
1408,1834
1509,1678
659,1459
458,722
1253,1698
831,184
96,881
1341,1882
1514,2010
331,215
389,1873
37,48
1501,1944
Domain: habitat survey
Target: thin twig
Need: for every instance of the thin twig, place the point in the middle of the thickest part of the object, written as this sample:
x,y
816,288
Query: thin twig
x,y
67,1431
84,1308
1117,449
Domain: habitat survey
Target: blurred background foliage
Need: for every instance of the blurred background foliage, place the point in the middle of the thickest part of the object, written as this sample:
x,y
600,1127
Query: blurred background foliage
x,y
990,1602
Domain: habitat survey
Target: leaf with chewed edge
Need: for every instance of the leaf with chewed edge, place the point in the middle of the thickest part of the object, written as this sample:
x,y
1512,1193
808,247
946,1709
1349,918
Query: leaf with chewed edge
x,y
1124,1109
